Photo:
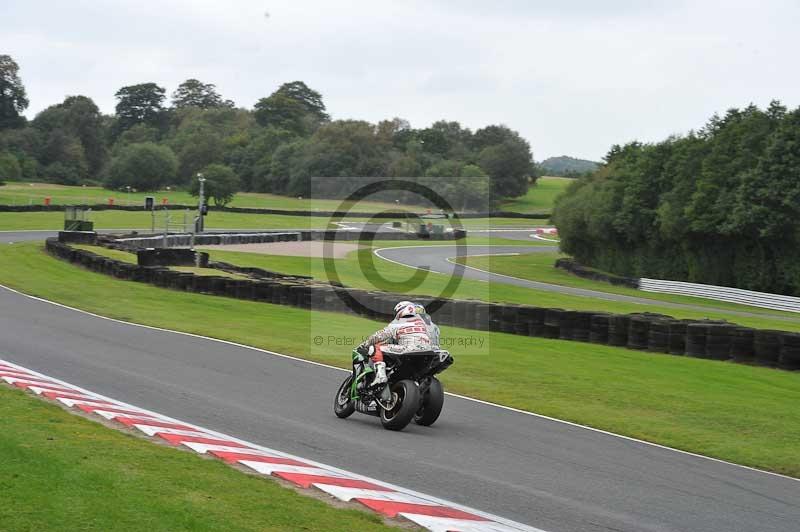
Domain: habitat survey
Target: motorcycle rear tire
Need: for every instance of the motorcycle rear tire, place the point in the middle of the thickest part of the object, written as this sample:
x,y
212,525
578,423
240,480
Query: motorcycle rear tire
x,y
344,409
431,404
405,408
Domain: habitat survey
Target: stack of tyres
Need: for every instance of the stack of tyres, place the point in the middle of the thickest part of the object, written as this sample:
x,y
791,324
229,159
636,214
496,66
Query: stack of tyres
x,y
598,328
531,321
677,337
298,295
575,325
509,316
464,314
767,347
521,320
658,338
201,284
742,348
790,351
245,289
495,317
639,332
261,290
445,314
552,322
696,334
184,281
718,341
618,326
482,316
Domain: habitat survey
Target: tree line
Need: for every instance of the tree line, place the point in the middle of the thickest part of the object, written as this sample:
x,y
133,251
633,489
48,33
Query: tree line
x,y
280,146
719,206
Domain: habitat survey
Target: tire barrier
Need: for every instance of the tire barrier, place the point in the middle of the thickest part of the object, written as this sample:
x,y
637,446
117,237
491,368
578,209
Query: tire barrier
x,y
790,351
767,347
589,273
171,257
654,333
658,339
742,348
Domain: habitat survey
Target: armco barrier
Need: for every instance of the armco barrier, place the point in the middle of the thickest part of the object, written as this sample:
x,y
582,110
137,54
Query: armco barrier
x,y
719,293
649,332
723,293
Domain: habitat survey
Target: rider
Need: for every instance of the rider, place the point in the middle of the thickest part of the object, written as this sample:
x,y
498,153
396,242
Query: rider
x,y
408,333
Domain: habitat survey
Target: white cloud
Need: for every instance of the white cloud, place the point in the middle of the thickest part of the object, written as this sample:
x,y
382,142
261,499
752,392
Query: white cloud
x,y
573,76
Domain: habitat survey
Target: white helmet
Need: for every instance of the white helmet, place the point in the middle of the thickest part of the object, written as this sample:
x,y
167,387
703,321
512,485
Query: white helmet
x,y
405,308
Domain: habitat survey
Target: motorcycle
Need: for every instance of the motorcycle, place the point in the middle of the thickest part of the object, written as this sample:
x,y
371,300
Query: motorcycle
x,y
412,392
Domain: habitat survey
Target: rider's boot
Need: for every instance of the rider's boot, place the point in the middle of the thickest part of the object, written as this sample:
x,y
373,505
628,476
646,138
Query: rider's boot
x,y
380,373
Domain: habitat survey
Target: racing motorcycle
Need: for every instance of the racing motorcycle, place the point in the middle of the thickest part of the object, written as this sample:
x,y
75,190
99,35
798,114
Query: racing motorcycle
x,y
411,393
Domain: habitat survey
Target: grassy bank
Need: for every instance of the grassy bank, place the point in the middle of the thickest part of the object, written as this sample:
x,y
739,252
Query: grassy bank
x,y
62,472
739,413
540,197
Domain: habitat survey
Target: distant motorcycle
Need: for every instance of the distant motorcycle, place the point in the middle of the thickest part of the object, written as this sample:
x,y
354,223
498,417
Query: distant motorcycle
x,y
411,393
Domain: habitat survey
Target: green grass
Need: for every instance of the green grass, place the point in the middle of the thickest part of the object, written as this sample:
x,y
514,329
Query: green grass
x,y
735,412
26,221
361,269
540,267
130,258
60,471
540,197
23,221
20,193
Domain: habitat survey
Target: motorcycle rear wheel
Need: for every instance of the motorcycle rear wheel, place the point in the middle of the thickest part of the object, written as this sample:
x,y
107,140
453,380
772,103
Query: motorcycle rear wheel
x,y
431,404
343,406
405,395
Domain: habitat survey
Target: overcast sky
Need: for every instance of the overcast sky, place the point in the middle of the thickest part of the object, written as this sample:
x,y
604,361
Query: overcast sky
x,y
572,76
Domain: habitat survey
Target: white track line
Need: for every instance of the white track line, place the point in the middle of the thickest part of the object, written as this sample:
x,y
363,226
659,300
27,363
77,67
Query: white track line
x,y
465,397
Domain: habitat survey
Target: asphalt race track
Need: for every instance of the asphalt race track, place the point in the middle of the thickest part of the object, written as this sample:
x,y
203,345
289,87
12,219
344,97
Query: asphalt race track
x,y
435,258
548,474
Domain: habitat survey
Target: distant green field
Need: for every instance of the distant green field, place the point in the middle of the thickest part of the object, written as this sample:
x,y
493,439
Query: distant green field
x,y
540,197
23,221
18,193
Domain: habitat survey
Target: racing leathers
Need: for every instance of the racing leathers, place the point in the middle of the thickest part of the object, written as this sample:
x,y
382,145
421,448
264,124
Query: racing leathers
x,y
403,335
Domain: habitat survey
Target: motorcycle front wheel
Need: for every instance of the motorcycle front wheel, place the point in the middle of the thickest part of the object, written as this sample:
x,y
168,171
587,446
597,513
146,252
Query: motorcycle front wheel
x,y
405,401
343,406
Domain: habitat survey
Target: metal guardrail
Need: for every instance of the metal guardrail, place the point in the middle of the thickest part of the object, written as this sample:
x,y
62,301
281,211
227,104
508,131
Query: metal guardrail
x,y
723,293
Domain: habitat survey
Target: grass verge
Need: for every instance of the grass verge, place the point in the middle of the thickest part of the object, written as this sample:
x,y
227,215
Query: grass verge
x,y
744,414
62,472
